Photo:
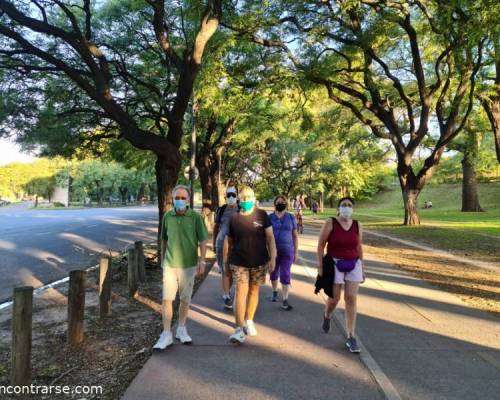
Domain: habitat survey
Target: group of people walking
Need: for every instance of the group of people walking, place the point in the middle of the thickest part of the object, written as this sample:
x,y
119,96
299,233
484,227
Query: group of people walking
x,y
249,244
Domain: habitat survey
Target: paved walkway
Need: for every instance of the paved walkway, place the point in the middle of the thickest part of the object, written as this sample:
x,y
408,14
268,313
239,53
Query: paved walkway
x,y
419,343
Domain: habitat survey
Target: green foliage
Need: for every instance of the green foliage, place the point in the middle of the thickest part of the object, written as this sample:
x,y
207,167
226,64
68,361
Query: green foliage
x,y
89,178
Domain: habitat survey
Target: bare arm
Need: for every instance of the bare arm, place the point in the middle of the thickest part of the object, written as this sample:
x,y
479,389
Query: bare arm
x,y
271,247
323,238
203,249
360,249
215,233
360,244
203,253
228,244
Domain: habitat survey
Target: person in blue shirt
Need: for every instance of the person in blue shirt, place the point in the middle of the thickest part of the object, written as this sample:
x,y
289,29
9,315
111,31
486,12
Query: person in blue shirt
x,y
287,244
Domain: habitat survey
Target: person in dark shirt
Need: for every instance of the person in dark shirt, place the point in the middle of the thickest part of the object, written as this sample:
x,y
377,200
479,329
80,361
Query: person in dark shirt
x,y
221,227
251,252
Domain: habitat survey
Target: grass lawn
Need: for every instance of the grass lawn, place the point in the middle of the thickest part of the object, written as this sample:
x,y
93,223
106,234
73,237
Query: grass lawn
x,y
443,226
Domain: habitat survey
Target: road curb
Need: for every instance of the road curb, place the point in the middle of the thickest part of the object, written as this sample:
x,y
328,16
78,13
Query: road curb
x,y
61,281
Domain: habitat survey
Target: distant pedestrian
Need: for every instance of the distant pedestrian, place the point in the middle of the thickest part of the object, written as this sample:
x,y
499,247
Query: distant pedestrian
x,y
183,231
298,206
251,252
314,207
343,237
287,245
221,228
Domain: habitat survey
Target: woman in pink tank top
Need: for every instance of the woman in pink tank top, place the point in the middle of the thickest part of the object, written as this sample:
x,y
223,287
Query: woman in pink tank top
x,y
342,237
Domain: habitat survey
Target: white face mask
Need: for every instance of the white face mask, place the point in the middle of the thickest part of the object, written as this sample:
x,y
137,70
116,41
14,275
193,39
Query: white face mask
x,y
231,200
345,212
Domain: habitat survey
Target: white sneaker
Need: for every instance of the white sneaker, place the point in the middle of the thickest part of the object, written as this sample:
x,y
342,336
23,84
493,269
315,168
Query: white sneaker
x,y
250,329
164,341
238,336
182,335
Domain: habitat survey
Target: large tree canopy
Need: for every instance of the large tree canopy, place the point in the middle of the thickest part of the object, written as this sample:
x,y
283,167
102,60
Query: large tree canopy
x,y
406,70
121,69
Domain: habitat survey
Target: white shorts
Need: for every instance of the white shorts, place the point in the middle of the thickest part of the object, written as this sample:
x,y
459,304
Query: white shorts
x,y
178,279
356,275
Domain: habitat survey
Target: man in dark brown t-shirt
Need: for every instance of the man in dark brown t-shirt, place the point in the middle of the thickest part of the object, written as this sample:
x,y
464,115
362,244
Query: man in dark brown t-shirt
x,y
251,251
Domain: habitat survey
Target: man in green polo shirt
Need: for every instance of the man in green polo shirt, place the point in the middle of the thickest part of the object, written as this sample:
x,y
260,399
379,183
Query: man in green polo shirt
x,y
183,230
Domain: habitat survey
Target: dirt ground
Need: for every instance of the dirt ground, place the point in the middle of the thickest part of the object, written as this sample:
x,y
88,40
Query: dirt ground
x,y
477,287
114,348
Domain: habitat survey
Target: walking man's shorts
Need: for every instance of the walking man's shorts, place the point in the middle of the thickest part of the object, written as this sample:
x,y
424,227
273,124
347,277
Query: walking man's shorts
x,y
178,279
254,275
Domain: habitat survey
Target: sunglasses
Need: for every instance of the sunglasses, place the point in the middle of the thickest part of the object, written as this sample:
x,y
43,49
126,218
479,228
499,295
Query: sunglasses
x,y
230,194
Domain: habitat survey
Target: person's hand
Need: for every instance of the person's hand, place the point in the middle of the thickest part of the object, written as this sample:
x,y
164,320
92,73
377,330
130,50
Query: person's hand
x,y
271,264
201,267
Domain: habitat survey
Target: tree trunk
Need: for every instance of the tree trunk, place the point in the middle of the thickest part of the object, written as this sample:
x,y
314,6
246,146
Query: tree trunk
x,y
410,197
203,165
140,193
214,178
411,186
166,178
215,192
99,194
123,193
470,197
153,192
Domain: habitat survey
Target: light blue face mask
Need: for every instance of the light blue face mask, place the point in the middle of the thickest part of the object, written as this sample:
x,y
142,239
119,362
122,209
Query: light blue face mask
x,y
180,205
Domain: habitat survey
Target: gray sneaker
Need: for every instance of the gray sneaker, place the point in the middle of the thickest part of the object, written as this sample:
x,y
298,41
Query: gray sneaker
x,y
238,336
352,345
326,324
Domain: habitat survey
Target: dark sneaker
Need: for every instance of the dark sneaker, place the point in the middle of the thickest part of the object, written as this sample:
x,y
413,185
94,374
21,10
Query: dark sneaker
x,y
286,306
274,298
326,324
228,303
352,345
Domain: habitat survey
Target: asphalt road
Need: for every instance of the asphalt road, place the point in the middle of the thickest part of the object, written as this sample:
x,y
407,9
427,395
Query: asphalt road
x,y
41,246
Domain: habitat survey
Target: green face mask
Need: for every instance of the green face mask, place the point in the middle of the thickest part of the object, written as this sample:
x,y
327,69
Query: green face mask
x,y
247,205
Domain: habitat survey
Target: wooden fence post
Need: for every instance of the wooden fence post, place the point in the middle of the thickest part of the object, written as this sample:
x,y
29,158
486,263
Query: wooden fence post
x,y
132,272
139,249
76,307
105,275
22,314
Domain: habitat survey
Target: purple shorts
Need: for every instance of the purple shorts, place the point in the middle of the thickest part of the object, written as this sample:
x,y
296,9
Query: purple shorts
x,y
284,262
